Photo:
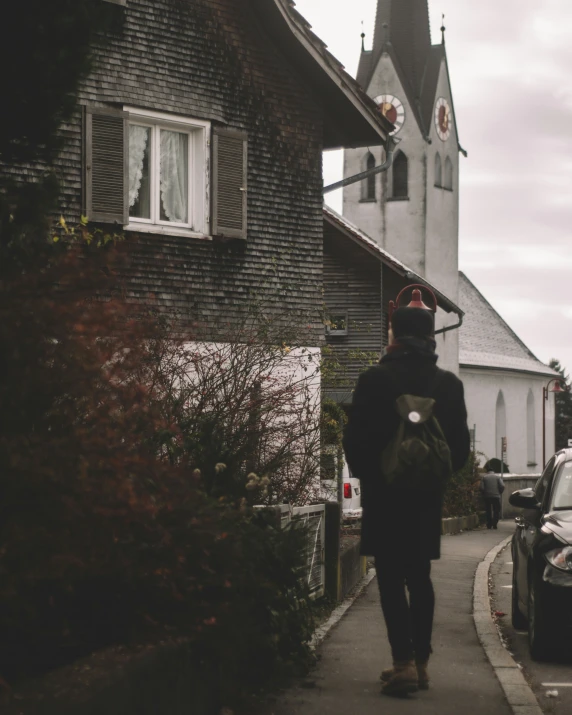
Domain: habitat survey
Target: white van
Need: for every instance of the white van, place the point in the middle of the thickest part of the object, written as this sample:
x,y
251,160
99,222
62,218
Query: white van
x,y
351,501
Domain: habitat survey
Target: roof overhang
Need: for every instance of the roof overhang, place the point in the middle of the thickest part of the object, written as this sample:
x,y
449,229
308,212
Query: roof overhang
x,y
467,364
368,244
351,118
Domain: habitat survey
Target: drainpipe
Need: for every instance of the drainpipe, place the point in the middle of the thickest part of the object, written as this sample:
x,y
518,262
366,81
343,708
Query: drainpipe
x,y
451,327
392,142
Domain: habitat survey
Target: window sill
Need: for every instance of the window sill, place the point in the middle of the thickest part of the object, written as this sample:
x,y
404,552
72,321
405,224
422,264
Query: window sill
x,y
165,230
398,198
368,201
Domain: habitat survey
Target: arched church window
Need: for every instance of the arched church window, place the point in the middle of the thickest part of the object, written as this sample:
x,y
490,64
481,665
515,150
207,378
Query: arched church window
x,y
368,185
438,170
400,176
500,423
530,430
448,184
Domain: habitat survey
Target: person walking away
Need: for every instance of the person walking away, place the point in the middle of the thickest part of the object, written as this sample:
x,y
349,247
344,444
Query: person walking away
x,y
401,525
492,487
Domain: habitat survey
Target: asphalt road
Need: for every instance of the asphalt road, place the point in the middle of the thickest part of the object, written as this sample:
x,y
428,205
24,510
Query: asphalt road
x,y
555,675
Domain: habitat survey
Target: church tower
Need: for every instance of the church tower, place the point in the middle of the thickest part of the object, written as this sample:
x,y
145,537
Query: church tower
x,y
412,210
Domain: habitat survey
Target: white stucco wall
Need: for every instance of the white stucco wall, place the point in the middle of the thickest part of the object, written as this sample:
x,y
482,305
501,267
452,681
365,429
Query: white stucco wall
x,y
398,226
482,387
423,230
448,343
442,224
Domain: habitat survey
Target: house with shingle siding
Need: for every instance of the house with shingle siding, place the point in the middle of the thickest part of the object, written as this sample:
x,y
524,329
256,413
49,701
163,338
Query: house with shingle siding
x,y
201,129
360,280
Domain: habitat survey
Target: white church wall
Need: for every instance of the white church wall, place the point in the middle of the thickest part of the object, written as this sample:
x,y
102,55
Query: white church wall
x,y
448,344
397,225
442,228
482,389
367,215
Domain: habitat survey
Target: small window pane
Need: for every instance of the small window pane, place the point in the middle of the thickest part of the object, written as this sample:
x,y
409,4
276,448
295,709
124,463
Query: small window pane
x,y
438,171
174,177
368,185
400,176
139,180
563,490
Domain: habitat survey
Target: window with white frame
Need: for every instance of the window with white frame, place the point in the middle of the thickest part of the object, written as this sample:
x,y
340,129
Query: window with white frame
x,y
149,171
167,171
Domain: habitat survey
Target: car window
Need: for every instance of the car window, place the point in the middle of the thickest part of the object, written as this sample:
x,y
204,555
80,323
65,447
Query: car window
x,y
544,481
562,491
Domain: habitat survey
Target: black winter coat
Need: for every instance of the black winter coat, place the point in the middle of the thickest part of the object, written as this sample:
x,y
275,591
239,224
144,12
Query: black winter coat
x,y
410,526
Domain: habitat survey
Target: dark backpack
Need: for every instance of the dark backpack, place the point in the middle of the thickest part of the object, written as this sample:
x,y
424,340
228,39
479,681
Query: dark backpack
x,y
417,456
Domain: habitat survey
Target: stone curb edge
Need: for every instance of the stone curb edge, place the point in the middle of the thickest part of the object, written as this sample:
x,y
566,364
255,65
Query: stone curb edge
x,y
517,691
340,611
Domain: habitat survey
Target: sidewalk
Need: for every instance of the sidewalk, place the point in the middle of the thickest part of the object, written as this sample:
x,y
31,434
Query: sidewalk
x,y
352,656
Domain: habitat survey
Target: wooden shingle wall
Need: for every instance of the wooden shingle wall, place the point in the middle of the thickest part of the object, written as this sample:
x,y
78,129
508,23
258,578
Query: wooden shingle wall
x,y
352,283
212,60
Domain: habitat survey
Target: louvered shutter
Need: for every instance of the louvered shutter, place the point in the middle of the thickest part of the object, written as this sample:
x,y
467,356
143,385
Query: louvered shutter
x,y
106,165
230,165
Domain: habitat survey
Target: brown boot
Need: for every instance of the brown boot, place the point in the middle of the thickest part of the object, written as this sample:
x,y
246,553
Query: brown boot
x,y
422,675
402,681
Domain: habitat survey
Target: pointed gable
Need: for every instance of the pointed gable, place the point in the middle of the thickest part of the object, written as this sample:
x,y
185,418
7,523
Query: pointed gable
x,y
409,33
407,40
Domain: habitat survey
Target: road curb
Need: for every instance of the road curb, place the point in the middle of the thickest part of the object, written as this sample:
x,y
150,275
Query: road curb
x,y
340,611
517,691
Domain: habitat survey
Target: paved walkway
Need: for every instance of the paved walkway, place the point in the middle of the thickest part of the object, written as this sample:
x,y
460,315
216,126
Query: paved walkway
x,y
352,656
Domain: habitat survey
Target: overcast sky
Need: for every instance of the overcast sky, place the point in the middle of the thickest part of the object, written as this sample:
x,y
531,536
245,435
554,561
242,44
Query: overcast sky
x,y
511,70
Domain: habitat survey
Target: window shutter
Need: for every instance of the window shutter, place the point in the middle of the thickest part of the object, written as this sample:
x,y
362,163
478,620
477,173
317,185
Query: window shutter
x,y
230,165
106,165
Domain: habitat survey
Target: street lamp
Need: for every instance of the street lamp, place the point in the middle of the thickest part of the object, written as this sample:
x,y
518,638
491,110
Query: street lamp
x,y
559,386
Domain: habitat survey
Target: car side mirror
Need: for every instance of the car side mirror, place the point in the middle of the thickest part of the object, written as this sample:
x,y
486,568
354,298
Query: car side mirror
x,y
525,499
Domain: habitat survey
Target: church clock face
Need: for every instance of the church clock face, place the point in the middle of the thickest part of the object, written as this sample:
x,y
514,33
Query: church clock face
x,y
392,109
443,119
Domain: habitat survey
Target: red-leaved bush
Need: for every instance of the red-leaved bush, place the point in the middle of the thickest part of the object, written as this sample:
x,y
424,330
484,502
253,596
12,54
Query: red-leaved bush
x,y
111,531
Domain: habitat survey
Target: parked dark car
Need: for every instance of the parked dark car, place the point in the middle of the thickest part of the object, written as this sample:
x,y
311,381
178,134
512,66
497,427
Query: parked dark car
x,y
542,558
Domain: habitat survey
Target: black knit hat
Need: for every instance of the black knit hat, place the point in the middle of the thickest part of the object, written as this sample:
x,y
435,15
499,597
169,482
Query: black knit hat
x,y
414,322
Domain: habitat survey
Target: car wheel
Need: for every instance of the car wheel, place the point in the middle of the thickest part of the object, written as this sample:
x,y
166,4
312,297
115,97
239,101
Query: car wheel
x,y
518,620
538,630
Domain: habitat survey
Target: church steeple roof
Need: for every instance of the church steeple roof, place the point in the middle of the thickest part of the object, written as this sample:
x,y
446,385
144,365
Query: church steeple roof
x,y
404,24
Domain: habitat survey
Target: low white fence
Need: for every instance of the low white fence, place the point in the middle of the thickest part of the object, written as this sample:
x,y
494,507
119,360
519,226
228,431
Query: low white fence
x,y
513,482
314,518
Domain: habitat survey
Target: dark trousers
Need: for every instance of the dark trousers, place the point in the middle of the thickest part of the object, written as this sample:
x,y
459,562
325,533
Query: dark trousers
x,y
492,511
409,623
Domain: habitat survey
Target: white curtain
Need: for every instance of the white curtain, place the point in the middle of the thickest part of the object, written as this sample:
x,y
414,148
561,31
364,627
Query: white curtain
x,y
174,176
138,140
